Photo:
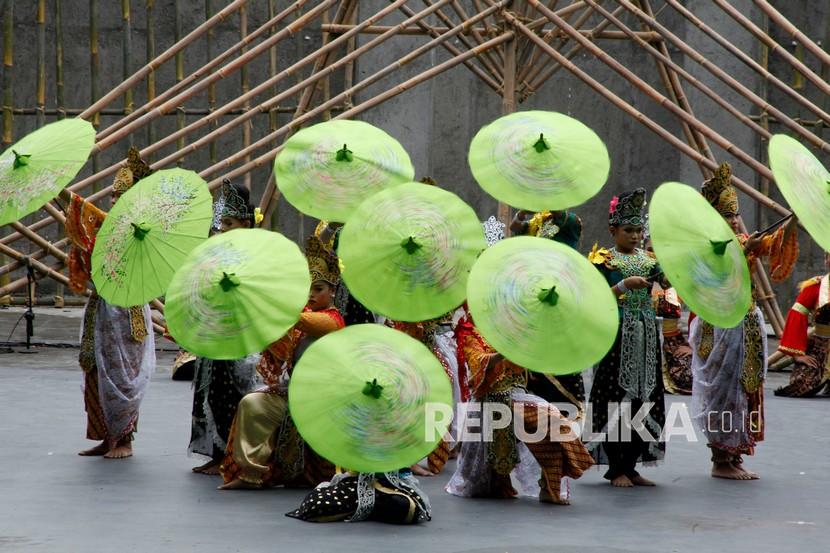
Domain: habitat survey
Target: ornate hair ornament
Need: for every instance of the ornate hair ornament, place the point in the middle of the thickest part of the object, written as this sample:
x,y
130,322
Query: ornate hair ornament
x,y
322,263
235,202
493,230
628,208
719,191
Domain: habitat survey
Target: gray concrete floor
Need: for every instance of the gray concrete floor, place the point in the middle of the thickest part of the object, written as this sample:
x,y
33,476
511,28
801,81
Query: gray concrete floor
x,y
56,501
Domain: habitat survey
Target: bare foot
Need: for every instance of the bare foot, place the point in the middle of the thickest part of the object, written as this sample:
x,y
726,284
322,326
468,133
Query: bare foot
x,y
96,451
545,497
622,481
238,484
726,470
120,451
211,467
752,475
418,470
640,481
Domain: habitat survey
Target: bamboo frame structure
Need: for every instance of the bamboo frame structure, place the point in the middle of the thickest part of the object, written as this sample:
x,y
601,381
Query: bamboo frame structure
x,y
513,47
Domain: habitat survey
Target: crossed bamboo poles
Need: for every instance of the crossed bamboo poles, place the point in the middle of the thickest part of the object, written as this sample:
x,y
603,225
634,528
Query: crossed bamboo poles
x,y
527,36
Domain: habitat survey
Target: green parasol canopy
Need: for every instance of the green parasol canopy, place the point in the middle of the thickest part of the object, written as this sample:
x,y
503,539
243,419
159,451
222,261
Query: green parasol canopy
x,y
362,397
539,160
326,170
40,165
805,184
148,234
237,293
699,254
542,305
407,251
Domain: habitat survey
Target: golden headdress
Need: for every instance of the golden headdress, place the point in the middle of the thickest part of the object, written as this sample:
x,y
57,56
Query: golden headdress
x,y
322,263
123,180
135,170
719,191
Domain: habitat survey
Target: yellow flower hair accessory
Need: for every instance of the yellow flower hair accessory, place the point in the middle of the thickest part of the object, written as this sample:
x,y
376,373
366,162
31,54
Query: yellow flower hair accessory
x,y
598,255
258,216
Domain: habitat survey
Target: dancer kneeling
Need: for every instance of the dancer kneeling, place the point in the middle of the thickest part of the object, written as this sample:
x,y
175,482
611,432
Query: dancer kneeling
x,y
264,447
485,467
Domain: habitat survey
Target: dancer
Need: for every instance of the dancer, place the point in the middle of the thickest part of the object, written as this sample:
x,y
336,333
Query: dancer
x,y
627,381
729,364
564,227
392,497
490,468
811,371
264,447
118,354
219,385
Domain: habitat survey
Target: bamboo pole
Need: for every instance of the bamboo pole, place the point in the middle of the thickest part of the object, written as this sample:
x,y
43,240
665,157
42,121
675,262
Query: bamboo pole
x,y
245,88
38,266
177,36
39,254
508,106
793,31
209,68
40,94
167,55
535,81
8,105
44,244
272,71
527,50
452,49
227,70
212,87
94,68
642,118
746,59
59,78
362,84
349,71
479,38
656,96
428,30
151,54
724,77
8,73
308,82
59,300
127,56
761,214
776,48
675,87
268,157
538,61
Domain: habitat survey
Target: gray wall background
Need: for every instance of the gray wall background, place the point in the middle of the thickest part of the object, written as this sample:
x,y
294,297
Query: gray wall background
x,y
436,120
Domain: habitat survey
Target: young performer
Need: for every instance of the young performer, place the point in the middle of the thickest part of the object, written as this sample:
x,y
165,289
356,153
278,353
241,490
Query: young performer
x,y
490,468
564,227
811,371
118,353
628,379
391,497
729,364
219,385
264,447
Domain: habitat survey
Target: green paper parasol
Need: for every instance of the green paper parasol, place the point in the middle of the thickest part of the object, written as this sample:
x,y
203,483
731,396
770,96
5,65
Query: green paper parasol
x,y
148,234
326,170
40,165
407,251
237,293
699,254
362,397
542,305
539,160
805,184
